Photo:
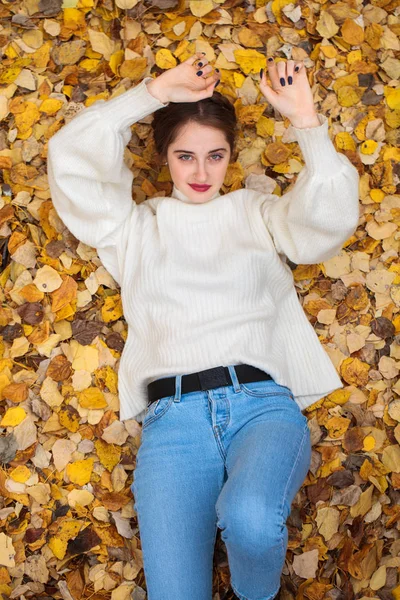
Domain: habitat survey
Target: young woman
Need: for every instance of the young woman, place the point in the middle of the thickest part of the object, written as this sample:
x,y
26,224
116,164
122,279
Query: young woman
x,y
220,359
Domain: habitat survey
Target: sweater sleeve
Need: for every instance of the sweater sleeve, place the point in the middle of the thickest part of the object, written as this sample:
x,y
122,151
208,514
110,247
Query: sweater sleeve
x,y
311,222
90,184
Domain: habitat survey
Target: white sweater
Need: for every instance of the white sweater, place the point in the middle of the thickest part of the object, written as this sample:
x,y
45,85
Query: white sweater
x,y
204,285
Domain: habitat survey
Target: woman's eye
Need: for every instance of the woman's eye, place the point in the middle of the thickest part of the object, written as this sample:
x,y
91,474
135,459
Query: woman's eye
x,y
214,156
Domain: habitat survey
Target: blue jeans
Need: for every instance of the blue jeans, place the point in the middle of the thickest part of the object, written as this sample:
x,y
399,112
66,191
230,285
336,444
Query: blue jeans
x,y
231,457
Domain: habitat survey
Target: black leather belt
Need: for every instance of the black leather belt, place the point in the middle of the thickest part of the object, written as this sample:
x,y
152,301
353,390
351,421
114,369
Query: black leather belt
x,y
204,380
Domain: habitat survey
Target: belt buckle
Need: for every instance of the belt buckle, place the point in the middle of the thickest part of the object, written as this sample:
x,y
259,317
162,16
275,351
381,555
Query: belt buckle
x,y
212,378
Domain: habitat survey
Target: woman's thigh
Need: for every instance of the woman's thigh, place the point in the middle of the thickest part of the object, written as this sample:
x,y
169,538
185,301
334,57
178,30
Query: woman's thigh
x,y
178,477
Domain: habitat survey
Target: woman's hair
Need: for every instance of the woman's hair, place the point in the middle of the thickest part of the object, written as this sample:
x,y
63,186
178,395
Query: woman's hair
x,y
216,111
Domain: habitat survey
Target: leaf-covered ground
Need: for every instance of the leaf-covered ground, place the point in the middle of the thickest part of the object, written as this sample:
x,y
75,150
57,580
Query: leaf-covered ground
x,y
68,528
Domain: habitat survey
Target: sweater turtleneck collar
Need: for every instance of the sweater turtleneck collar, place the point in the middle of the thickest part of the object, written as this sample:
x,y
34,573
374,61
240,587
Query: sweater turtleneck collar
x,y
181,196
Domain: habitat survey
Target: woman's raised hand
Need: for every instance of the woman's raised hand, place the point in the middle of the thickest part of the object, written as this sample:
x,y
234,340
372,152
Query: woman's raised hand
x,y
182,84
290,93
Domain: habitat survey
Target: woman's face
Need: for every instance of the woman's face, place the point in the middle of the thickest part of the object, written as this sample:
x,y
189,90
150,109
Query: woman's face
x,y
199,155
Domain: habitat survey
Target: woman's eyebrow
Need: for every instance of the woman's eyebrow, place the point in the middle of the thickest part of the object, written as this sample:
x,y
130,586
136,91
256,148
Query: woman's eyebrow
x,y
189,152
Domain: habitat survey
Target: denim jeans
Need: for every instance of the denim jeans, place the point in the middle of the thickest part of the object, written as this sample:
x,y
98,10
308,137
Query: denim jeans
x,y
231,457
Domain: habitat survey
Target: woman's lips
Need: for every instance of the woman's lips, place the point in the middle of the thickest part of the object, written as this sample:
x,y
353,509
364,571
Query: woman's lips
x,y
200,188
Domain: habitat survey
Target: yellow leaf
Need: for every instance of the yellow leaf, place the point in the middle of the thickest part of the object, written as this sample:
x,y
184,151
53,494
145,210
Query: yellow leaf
x,y
112,308
396,593
115,61
106,376
50,106
344,141
68,531
89,64
25,120
391,153
329,51
347,80
74,18
20,474
377,195
109,454
165,59
369,443
250,61
337,426
349,96
199,8
9,75
352,32
277,6
14,416
339,396
58,547
69,419
392,96
80,471
265,127
92,398
354,56
368,147
392,118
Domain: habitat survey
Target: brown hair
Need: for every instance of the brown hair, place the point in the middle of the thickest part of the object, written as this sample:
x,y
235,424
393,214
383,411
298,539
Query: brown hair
x,y
216,111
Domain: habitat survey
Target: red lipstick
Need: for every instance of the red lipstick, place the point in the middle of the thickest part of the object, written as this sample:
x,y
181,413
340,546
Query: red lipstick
x,y
199,188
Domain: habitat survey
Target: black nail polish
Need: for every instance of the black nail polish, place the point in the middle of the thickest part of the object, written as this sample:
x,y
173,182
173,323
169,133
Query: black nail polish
x,y
199,73
217,70
204,53
199,64
282,81
261,73
270,59
216,83
290,80
296,69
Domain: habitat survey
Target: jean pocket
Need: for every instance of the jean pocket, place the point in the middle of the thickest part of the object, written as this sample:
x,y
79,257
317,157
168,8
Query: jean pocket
x,y
267,387
156,410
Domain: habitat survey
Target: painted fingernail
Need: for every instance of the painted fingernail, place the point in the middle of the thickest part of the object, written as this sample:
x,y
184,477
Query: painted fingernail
x,y
261,73
200,64
296,69
217,70
204,53
270,59
216,83
199,73
282,81
290,80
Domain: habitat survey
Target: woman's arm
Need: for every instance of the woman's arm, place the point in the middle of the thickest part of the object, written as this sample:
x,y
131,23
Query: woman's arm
x,y
311,222
90,183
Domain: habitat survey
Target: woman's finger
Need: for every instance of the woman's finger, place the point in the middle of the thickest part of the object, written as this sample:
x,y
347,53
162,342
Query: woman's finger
x,y
273,73
192,59
281,71
299,68
204,70
290,71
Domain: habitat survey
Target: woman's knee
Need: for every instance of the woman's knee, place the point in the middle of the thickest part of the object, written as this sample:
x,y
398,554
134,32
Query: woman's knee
x,y
254,527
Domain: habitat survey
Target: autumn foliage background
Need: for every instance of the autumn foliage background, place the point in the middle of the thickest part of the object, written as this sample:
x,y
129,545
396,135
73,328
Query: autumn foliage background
x,y
68,528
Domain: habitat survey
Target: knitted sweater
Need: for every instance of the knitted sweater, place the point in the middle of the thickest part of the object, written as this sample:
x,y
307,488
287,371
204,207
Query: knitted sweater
x,y
204,285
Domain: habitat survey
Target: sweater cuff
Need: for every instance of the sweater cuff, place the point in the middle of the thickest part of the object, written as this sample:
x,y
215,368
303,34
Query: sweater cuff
x,y
318,151
129,107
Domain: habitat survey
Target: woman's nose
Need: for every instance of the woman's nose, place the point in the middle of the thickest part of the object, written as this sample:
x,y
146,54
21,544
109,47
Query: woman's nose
x,y
201,171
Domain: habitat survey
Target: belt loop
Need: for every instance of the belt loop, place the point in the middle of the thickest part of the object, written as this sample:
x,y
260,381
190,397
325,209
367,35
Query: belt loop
x,y
178,388
235,381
